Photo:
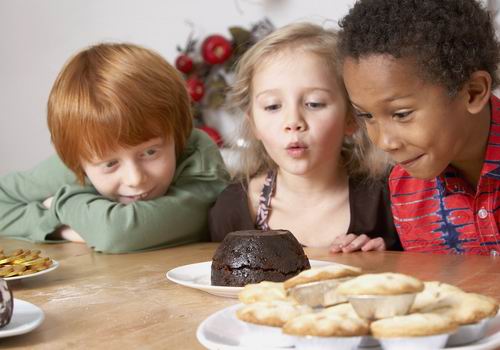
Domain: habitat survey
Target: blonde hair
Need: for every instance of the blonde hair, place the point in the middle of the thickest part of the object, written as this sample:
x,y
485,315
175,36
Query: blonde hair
x,y
360,157
112,95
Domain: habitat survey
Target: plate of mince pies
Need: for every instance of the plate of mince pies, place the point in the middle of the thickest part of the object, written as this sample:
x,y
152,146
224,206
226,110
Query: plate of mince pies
x,y
340,307
24,263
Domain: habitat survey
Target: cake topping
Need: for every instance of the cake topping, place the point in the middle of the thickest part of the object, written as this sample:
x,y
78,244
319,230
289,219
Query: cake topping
x,y
6,303
245,257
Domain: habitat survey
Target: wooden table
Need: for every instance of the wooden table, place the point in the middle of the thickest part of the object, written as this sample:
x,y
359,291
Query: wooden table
x,y
125,302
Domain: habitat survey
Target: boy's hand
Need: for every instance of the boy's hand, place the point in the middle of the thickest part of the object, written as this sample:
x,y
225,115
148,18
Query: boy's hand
x,y
64,232
48,202
67,233
351,243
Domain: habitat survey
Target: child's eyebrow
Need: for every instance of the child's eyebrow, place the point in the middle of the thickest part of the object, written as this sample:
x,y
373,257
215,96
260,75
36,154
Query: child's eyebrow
x,y
387,99
396,97
318,88
157,141
266,92
355,105
308,89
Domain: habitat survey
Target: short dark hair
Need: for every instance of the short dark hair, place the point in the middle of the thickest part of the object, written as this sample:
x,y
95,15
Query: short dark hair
x,y
448,39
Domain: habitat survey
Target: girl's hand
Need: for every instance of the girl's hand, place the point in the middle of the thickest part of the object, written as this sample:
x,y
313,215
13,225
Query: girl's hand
x,y
351,243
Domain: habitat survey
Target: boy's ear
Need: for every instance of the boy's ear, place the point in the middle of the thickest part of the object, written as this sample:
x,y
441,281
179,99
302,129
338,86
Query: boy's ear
x,y
478,91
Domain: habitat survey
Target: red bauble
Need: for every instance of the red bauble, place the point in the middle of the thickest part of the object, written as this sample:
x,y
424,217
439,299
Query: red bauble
x,y
216,49
214,135
196,88
184,63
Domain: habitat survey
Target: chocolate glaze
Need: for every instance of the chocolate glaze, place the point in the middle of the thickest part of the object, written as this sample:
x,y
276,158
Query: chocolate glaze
x,y
253,256
6,303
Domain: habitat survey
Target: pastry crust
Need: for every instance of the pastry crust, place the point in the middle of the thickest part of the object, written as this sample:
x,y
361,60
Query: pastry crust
x,y
263,291
413,325
271,313
467,308
381,284
323,273
433,296
326,324
345,310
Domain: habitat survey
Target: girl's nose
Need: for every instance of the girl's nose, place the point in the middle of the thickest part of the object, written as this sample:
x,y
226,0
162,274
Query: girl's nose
x,y
295,122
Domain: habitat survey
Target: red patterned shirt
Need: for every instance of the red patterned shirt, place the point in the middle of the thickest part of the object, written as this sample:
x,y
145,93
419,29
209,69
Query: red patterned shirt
x,y
445,215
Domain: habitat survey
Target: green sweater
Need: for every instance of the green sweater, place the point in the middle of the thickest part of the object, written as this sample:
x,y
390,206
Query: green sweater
x,y
179,217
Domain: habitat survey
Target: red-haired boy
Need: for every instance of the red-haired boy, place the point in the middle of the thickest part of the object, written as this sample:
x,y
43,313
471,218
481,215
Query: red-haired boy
x,y
131,173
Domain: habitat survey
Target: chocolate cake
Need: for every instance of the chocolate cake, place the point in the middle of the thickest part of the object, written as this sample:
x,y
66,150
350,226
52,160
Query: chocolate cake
x,y
6,303
253,256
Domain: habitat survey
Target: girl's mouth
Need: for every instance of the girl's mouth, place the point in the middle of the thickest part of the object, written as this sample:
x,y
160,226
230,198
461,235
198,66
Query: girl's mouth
x,y
296,149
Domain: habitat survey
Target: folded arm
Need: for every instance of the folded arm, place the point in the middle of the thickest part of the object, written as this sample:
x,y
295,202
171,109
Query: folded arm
x,y
22,212
180,217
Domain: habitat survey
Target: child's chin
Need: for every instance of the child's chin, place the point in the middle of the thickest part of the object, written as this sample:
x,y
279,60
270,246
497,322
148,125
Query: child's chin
x,y
423,175
126,200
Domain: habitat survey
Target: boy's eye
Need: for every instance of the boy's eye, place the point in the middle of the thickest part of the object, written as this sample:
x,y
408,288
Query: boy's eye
x,y
401,115
363,115
110,164
150,152
273,107
315,105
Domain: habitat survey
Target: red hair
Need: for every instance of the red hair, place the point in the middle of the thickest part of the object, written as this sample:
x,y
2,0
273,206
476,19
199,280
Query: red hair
x,y
114,95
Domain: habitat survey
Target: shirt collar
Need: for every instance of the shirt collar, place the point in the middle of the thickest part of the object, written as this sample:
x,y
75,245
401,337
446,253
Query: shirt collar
x,y
491,165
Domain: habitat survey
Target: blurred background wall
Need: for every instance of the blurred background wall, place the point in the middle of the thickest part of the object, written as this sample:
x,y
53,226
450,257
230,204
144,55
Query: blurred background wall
x,y
38,36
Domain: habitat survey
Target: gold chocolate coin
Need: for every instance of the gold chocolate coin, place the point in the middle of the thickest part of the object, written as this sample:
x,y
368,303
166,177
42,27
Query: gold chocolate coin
x,y
22,262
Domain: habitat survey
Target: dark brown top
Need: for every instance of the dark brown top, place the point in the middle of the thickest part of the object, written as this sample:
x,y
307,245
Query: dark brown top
x,y
267,250
369,204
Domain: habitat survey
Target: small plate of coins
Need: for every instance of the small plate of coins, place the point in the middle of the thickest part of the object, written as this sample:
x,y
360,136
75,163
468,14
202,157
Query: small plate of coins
x,y
24,263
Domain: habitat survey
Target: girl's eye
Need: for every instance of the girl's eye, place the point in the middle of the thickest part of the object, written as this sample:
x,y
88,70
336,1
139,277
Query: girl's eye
x,y
401,115
273,107
315,105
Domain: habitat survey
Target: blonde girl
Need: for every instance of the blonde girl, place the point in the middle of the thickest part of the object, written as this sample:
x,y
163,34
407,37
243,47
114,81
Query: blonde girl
x,y
307,167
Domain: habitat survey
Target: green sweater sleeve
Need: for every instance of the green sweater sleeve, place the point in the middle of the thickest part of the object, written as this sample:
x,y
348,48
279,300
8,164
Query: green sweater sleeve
x,y
177,218
22,214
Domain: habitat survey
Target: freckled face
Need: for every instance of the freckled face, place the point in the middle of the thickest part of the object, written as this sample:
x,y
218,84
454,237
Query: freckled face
x,y
415,122
134,173
299,112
